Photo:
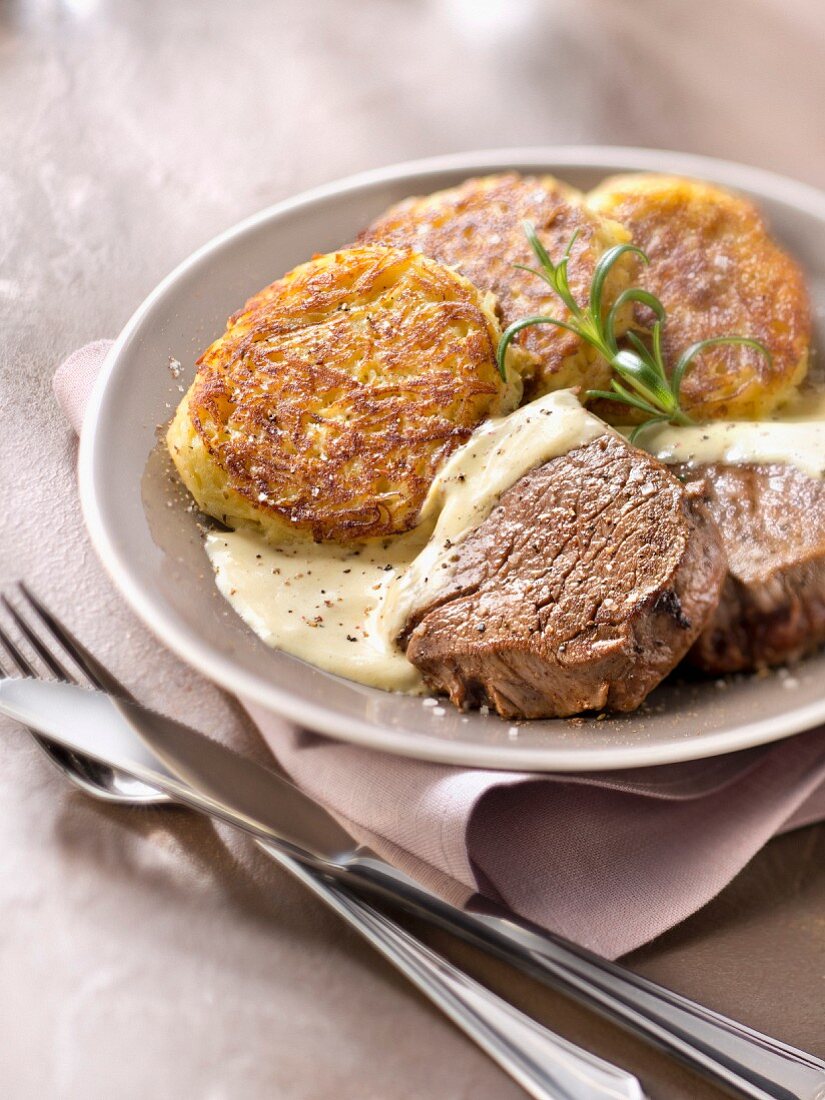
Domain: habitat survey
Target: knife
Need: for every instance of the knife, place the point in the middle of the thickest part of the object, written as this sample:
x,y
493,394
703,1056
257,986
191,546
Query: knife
x,y
209,777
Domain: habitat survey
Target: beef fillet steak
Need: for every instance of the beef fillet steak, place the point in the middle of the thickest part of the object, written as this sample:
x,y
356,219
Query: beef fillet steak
x,y
581,590
772,608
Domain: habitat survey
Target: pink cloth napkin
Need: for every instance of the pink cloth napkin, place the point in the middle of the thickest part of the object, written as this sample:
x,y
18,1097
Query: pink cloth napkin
x,y
609,860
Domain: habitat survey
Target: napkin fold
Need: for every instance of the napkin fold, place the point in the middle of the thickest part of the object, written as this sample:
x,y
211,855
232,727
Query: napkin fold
x,y
610,860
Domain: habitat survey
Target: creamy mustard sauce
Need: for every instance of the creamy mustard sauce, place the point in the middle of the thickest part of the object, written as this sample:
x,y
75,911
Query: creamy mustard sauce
x,y
341,608
315,600
796,437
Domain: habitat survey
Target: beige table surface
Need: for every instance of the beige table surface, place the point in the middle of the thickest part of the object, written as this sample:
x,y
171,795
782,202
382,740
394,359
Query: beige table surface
x,y
136,957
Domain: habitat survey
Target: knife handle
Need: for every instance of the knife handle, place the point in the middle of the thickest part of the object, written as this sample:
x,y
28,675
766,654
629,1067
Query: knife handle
x,y
732,1054
721,1049
546,1066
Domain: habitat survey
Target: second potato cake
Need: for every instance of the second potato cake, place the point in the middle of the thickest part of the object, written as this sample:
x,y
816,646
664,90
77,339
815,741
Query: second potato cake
x,y
477,227
717,271
334,395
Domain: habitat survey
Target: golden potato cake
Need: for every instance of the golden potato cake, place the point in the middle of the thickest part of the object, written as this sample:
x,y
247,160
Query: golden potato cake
x,y
718,273
334,395
477,227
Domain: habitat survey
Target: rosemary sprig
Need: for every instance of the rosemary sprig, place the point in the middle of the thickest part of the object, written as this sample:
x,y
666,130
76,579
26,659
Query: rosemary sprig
x,y
640,367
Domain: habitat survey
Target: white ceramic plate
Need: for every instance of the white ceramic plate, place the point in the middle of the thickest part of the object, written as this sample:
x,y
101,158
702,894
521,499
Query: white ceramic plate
x,y
154,553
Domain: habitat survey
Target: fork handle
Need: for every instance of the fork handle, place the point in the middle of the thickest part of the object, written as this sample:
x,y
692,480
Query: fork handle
x,y
546,1066
735,1056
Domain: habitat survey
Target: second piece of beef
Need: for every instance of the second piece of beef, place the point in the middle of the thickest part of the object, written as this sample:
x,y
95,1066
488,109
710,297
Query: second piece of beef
x,y
772,608
582,589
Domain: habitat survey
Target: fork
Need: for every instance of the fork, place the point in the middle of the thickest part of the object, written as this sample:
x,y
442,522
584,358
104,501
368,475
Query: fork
x,y
733,1055
546,1066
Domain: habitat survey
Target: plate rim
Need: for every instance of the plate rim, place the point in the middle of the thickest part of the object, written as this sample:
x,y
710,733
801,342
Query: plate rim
x,y
248,687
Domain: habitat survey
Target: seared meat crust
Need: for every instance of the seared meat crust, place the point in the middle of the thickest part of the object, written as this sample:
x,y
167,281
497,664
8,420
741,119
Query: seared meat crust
x,y
772,608
584,587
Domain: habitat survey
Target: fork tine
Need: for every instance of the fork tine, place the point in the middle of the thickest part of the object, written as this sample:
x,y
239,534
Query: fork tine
x,y
43,652
17,655
4,668
95,779
94,670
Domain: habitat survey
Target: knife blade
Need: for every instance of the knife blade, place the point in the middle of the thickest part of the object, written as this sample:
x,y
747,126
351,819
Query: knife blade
x,y
204,774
